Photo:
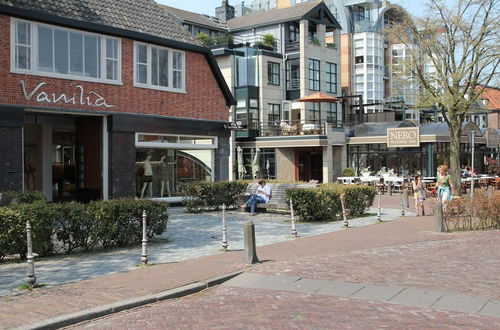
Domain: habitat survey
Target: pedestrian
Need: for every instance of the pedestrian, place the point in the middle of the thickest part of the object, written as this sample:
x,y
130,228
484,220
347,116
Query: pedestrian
x,y
262,195
443,185
419,194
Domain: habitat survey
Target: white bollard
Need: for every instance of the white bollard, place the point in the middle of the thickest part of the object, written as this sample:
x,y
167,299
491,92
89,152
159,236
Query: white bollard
x,y
224,231
144,255
294,230
344,213
379,219
31,263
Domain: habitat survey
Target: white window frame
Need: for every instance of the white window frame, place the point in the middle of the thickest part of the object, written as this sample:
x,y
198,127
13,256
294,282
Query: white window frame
x,y
149,85
34,54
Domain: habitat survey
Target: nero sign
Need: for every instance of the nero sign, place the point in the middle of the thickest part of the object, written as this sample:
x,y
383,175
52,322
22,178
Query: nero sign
x,y
78,97
403,137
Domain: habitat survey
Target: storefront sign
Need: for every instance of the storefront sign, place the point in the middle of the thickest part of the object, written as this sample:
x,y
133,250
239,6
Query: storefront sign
x,y
78,97
492,140
403,137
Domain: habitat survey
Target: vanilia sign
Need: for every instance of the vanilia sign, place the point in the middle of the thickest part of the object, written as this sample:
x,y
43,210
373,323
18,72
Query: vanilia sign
x,y
78,97
403,137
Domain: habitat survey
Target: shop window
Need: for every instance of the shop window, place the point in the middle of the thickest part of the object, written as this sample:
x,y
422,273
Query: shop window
x,y
158,68
65,53
164,162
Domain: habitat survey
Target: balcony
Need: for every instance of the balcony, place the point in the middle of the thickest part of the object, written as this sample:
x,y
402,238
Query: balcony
x,y
290,128
364,26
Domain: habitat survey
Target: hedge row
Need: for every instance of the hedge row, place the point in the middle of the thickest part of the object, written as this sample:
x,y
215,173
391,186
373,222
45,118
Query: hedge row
x,y
323,203
199,196
66,227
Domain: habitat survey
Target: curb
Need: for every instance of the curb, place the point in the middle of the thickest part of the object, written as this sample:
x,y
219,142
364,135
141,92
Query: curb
x,y
93,313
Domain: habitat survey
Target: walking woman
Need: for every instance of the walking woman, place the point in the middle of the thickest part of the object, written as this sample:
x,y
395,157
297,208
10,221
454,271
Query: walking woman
x,y
419,194
443,184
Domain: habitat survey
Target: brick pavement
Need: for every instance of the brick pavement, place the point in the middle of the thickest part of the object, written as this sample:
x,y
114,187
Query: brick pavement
x,y
239,308
49,302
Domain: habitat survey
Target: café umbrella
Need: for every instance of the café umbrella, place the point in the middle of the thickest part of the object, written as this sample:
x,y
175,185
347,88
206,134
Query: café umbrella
x,y
319,97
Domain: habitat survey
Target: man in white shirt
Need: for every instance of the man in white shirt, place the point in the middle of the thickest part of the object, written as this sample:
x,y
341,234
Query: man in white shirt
x,y
262,195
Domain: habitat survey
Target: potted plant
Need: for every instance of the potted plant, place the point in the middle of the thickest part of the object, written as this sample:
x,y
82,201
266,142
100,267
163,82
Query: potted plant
x,y
269,40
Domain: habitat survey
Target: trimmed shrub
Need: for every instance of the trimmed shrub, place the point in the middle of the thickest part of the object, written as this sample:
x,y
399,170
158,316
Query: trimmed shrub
x,y
12,235
323,203
199,196
348,172
75,228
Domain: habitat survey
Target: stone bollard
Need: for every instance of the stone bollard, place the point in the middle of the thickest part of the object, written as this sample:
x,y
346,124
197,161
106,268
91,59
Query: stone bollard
x,y
438,217
379,193
144,255
344,213
294,230
31,263
389,188
249,243
224,231
405,198
402,206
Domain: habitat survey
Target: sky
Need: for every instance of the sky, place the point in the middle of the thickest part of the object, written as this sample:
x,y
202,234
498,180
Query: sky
x,y
208,6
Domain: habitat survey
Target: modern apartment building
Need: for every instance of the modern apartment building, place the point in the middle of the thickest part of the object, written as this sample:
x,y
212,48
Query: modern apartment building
x,y
277,57
106,100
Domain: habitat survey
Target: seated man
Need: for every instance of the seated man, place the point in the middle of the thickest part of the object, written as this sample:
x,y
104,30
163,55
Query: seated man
x,y
262,195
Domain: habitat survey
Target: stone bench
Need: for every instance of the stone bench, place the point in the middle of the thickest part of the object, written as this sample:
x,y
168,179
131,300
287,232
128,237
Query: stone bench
x,y
277,200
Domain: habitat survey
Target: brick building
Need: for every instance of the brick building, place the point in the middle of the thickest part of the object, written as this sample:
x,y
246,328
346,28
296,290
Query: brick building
x,y
103,99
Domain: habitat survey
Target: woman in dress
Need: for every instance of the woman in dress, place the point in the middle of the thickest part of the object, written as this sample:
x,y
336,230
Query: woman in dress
x,y
419,194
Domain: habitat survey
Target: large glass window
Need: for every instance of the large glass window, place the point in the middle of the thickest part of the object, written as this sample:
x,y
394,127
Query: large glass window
x,y
273,73
158,67
163,162
64,52
314,75
293,32
331,77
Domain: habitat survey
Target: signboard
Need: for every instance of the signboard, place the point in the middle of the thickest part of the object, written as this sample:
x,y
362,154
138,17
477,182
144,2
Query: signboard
x,y
403,137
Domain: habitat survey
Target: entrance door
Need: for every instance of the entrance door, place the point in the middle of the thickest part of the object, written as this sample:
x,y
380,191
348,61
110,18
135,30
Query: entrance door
x,y
309,164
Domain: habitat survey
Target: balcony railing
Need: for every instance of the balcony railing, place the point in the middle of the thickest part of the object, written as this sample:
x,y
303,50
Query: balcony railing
x,y
294,127
257,40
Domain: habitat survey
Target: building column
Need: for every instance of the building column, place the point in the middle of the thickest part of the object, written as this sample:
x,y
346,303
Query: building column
x,y
11,144
327,164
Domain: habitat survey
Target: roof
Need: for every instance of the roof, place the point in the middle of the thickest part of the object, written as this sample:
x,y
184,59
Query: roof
x,y
199,19
137,15
303,10
441,129
493,97
141,20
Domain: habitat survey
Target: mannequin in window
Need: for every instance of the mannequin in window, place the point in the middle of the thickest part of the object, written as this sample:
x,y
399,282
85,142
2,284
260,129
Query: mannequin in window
x,y
164,175
148,177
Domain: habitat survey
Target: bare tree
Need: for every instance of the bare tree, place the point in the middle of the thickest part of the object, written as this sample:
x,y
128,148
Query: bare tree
x,y
460,40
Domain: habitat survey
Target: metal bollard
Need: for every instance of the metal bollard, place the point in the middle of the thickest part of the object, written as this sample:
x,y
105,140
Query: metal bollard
x,y
438,217
389,188
402,206
344,213
31,263
144,255
379,193
405,198
294,230
249,243
224,231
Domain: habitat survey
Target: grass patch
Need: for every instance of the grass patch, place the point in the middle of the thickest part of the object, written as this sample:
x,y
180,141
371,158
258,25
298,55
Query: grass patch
x,y
29,287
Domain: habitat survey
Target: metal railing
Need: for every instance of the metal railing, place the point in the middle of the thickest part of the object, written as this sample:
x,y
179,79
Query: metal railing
x,y
292,127
256,40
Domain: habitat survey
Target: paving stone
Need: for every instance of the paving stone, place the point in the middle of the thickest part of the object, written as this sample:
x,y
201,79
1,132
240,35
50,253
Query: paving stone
x,y
460,303
492,308
276,282
308,285
341,289
377,292
246,280
414,297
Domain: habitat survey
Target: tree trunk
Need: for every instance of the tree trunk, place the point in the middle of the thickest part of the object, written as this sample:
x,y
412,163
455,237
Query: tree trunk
x,y
455,166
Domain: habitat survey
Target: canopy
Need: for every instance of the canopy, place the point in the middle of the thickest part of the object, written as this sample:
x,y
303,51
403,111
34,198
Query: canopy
x,y
319,97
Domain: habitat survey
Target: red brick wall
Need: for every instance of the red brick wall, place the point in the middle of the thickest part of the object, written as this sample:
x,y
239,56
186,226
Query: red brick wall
x,y
203,98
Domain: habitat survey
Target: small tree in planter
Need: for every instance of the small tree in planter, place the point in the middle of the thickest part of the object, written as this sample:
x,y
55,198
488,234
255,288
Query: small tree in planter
x,y
269,40
205,39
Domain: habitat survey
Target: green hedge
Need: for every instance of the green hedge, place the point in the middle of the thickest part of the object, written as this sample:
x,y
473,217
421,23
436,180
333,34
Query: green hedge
x,y
200,196
323,203
73,226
